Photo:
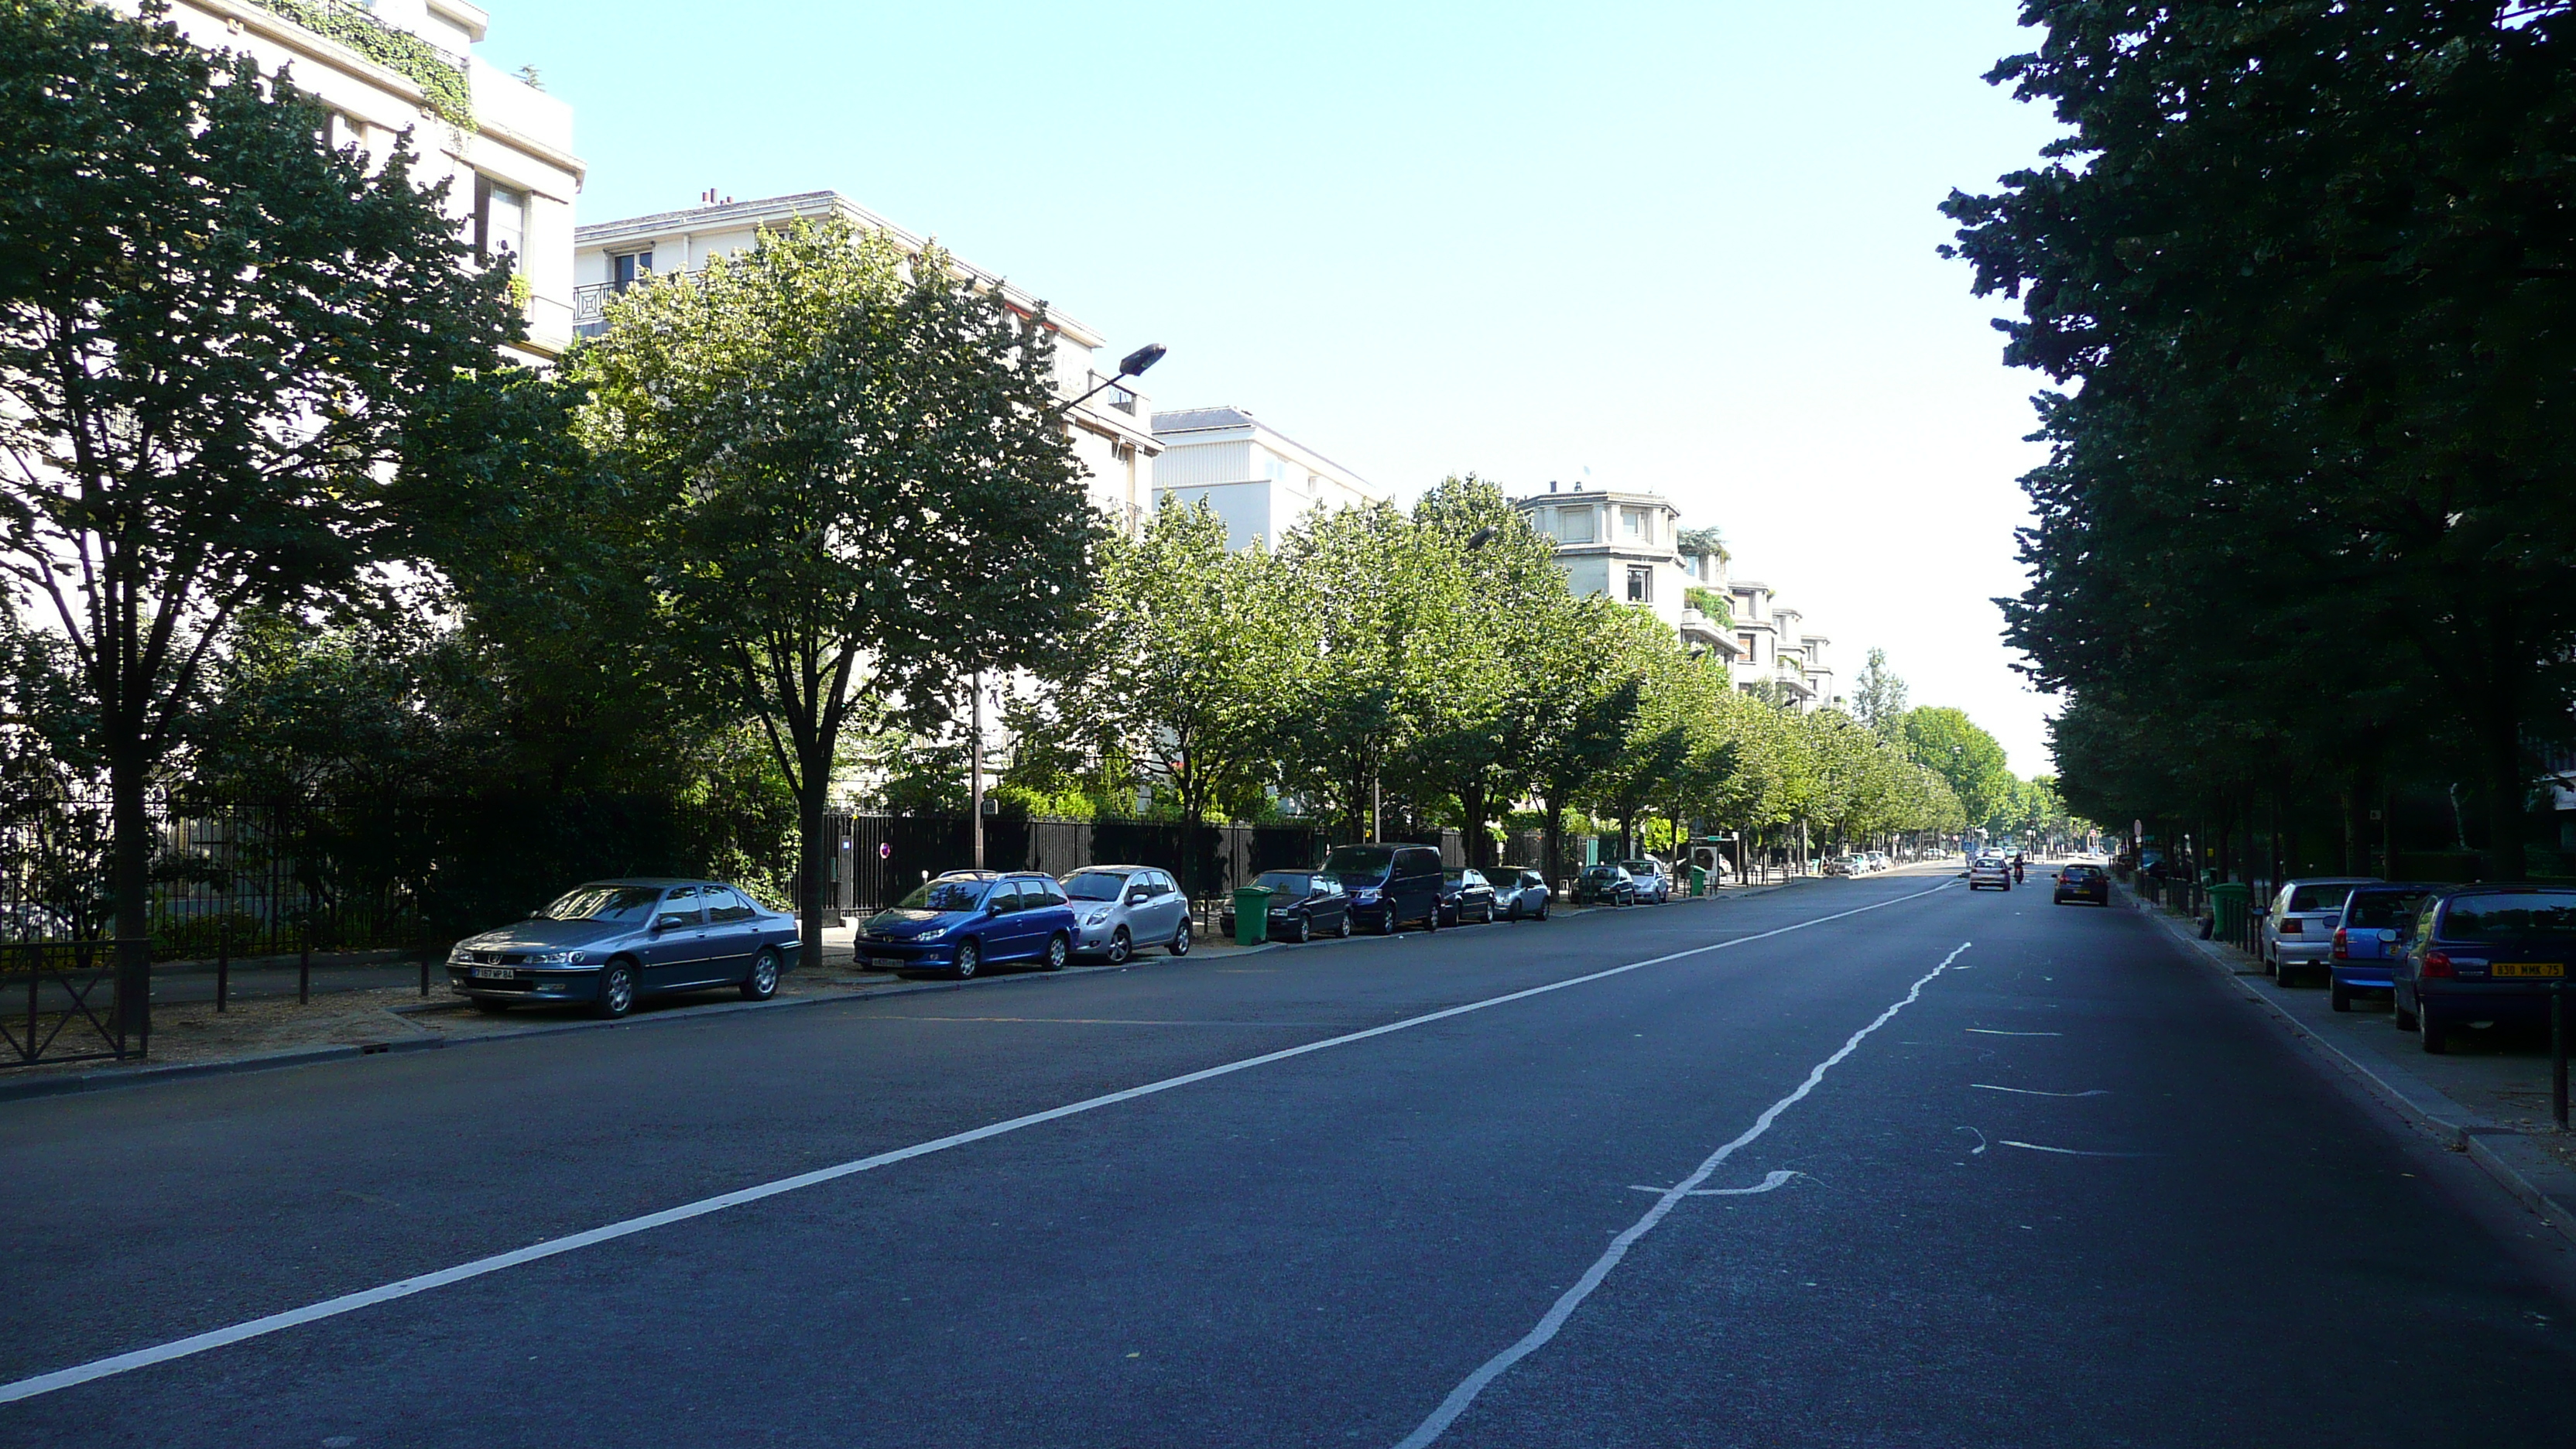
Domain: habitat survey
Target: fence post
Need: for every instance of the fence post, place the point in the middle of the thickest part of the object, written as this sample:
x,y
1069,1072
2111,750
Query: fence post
x,y
223,959
304,967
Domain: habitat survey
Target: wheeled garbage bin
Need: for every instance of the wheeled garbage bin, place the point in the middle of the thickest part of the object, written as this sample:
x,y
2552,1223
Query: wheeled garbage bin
x,y
1251,915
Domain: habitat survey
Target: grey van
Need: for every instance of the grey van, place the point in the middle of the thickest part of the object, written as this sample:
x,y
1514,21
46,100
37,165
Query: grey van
x,y
1390,885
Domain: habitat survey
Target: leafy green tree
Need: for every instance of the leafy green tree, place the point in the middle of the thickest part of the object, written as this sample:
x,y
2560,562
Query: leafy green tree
x,y
1345,577
1878,701
850,488
214,331
1572,722
1947,742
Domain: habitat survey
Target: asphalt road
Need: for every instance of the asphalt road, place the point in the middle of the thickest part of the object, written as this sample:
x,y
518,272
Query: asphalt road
x,y
2069,1192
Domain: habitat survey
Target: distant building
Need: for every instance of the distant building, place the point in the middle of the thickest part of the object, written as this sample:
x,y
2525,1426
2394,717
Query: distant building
x,y
1773,647
1629,546
511,171
1256,479
1109,433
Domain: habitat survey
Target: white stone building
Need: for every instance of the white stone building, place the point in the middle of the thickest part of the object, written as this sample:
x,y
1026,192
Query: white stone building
x,y
1109,431
1259,481
1773,644
1629,546
510,169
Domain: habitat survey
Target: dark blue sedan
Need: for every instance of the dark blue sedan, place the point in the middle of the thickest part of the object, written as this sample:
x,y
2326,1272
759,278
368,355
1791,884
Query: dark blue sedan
x,y
613,942
2484,954
967,920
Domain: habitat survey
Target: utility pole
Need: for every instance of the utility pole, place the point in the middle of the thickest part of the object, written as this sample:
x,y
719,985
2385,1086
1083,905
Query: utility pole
x,y
975,767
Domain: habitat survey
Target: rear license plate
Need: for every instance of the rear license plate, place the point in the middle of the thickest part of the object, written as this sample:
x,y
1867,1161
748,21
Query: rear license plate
x,y
496,973
2527,968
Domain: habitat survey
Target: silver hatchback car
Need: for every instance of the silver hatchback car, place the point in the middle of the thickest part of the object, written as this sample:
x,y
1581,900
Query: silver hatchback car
x,y
2298,931
1118,909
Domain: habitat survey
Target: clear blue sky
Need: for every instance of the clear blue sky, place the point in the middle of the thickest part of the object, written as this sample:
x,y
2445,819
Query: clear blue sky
x,y
1688,246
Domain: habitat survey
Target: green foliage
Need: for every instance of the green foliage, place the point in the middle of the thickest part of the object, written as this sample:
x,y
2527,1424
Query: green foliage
x,y
440,79
1717,604
1972,762
1878,700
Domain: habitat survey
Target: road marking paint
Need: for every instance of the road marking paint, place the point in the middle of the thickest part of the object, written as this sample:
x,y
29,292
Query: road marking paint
x,y
1981,1140
1096,1021
1493,1368
2027,1092
2061,1151
1774,1179
47,1383
1988,1031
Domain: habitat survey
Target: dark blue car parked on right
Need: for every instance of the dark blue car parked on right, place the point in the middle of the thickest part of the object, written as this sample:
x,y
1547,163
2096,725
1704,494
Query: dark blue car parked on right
x,y
2484,954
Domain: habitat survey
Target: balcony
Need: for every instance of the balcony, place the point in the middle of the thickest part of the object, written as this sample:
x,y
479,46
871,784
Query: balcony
x,y
590,308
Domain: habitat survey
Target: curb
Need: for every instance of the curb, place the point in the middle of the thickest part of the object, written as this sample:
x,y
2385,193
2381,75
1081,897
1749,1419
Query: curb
x,y
2515,1162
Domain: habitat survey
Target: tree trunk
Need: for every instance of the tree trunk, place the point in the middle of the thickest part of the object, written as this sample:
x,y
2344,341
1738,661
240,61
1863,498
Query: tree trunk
x,y
811,854
2506,785
131,826
1553,838
1473,804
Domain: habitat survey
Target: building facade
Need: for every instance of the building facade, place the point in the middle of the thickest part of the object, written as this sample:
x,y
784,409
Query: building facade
x,y
1110,431
1631,547
391,67
1259,481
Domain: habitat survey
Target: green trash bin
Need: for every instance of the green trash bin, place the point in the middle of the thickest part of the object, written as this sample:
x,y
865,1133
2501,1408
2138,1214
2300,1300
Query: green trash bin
x,y
1251,915
2227,907
1699,881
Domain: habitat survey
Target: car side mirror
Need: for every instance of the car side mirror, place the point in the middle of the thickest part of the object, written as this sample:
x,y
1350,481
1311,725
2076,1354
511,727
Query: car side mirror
x,y
1139,896
992,908
669,921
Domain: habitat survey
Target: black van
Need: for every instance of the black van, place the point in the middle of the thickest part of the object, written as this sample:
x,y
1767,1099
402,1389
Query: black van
x,y
1390,885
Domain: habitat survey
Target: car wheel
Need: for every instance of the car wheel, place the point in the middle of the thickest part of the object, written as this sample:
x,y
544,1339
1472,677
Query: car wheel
x,y
762,983
2271,967
1431,922
489,1007
969,957
1343,929
2342,997
1488,917
1059,951
2405,1018
1542,911
2437,1038
1305,930
1179,945
616,990
1121,946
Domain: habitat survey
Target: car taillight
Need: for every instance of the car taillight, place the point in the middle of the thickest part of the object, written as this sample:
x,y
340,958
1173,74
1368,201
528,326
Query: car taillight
x,y
2340,953
2437,963
2293,926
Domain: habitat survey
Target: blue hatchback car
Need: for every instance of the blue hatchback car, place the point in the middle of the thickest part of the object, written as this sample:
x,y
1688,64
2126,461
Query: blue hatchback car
x,y
2484,954
2370,936
967,920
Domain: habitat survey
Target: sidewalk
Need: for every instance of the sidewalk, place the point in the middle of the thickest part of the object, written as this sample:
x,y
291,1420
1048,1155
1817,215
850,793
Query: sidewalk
x,y
2487,1098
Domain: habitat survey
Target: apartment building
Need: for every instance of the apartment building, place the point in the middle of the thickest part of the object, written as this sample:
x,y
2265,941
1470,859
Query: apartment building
x,y
1110,431
1257,479
1775,649
387,68
1631,546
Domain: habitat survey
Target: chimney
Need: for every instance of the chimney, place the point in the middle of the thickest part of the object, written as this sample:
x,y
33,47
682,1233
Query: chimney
x,y
1551,485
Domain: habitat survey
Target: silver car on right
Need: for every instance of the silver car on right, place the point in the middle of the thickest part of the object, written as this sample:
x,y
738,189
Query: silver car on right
x,y
1119,910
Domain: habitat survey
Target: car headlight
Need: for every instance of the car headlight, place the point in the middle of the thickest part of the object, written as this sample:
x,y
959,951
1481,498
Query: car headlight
x,y
1095,915
457,955
556,958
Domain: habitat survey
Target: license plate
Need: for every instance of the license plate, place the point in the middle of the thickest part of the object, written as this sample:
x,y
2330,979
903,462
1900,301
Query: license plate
x,y
496,973
888,963
2527,968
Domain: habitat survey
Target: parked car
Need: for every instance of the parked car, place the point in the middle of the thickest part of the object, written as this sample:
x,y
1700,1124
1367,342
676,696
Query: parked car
x,y
1304,904
1839,865
1520,893
2481,954
1118,908
612,943
967,920
2298,927
1390,886
1605,884
1878,861
1465,895
2370,936
1654,879
2082,883
1990,870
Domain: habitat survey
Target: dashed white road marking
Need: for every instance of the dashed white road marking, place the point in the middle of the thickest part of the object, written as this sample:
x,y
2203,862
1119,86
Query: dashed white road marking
x,y
1531,1342
2061,1151
2028,1092
1772,1180
1989,1031
65,1378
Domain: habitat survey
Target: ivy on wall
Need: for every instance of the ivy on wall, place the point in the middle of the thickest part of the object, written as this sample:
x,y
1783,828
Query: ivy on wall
x,y
1714,603
400,51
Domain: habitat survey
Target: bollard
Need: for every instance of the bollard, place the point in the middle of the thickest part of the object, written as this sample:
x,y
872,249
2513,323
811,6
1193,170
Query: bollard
x,y
424,971
2558,1053
223,961
304,976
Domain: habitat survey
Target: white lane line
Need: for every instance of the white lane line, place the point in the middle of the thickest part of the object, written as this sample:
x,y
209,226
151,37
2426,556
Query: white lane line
x,y
1465,1394
1988,1031
1774,1179
2027,1092
2061,1151
29,1388
1982,1144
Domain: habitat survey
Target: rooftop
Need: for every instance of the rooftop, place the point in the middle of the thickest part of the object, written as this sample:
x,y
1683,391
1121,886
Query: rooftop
x,y
1225,418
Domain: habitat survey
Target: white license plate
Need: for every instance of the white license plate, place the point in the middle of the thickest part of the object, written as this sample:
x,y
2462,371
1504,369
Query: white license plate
x,y
888,963
496,973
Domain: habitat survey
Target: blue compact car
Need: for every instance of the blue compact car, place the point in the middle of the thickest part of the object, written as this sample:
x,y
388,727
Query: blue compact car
x,y
2370,937
2484,954
613,942
967,920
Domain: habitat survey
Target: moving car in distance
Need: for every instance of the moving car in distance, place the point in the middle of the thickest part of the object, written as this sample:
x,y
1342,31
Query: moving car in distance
x,y
967,920
1654,879
2484,954
2082,883
2370,936
2298,931
1605,884
1119,908
1304,904
1390,886
612,943
1520,893
1465,896
1990,870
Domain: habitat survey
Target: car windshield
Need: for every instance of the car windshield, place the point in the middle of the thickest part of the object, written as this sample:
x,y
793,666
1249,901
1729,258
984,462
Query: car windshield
x,y
1601,872
2511,918
2319,897
2383,910
1358,862
1286,882
946,895
1640,867
1095,885
605,903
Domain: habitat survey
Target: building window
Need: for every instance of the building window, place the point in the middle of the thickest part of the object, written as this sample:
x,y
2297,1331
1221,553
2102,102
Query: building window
x,y
1637,523
1744,647
1574,525
500,222
629,268
1641,585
